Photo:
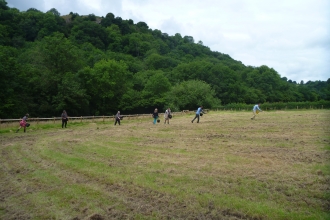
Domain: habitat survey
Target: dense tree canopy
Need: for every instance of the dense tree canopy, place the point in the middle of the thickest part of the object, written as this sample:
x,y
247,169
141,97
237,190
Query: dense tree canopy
x,y
92,65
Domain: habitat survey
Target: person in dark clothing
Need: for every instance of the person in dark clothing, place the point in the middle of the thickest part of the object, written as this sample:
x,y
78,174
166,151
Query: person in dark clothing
x,y
23,123
118,117
65,118
155,115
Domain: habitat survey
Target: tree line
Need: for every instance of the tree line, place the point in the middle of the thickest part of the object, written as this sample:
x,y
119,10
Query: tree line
x,y
92,65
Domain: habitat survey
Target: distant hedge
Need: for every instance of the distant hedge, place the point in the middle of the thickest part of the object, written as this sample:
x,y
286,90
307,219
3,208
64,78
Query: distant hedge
x,y
278,106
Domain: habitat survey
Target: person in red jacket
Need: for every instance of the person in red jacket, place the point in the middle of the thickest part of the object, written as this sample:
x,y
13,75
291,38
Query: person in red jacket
x,y
23,123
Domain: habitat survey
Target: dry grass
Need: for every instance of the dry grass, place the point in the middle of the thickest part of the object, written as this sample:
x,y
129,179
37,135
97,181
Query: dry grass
x,y
225,167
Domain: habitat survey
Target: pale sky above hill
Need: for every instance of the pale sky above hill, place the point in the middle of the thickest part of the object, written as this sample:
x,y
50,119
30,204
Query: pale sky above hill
x,y
291,36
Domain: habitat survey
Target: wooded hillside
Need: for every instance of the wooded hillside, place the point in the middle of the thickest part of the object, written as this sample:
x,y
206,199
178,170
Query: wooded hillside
x,y
95,66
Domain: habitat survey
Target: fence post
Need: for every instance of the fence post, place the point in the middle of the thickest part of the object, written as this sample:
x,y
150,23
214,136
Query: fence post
x,y
322,106
103,118
80,118
297,106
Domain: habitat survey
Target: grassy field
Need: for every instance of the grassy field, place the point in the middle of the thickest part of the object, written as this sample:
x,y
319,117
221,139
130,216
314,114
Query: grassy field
x,y
226,167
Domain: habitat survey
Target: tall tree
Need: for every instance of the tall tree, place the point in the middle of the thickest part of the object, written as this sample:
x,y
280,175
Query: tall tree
x,y
11,105
190,94
105,84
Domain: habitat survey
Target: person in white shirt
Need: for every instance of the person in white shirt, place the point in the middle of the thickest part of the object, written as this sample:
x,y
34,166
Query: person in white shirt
x,y
167,115
256,110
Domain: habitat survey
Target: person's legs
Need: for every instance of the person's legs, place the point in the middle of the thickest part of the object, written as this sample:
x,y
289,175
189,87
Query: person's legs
x,y
21,125
254,114
155,120
194,118
24,129
118,121
62,123
197,118
65,123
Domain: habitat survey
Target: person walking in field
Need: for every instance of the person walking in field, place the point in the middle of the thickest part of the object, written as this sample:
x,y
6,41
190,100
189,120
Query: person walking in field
x,y
23,123
155,115
65,118
118,117
256,110
198,112
167,116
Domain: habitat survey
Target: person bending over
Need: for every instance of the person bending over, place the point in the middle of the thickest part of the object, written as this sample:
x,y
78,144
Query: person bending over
x,y
198,112
256,110
23,123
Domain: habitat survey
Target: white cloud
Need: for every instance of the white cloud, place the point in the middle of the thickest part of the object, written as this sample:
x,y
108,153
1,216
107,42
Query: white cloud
x,y
293,37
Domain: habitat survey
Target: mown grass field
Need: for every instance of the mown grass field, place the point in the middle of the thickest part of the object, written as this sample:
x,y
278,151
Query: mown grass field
x,y
226,167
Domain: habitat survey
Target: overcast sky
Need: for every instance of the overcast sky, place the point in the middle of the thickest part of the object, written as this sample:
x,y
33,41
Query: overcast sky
x,y
291,36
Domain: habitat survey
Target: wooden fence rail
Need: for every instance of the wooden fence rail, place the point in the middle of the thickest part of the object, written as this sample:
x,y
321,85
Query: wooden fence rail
x,y
135,116
84,118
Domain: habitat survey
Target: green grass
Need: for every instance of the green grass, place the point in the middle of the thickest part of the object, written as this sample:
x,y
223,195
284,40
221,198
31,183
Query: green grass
x,y
225,167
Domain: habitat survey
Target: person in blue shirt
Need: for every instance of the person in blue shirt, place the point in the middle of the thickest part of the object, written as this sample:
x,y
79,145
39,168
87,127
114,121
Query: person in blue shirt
x,y
256,110
198,112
